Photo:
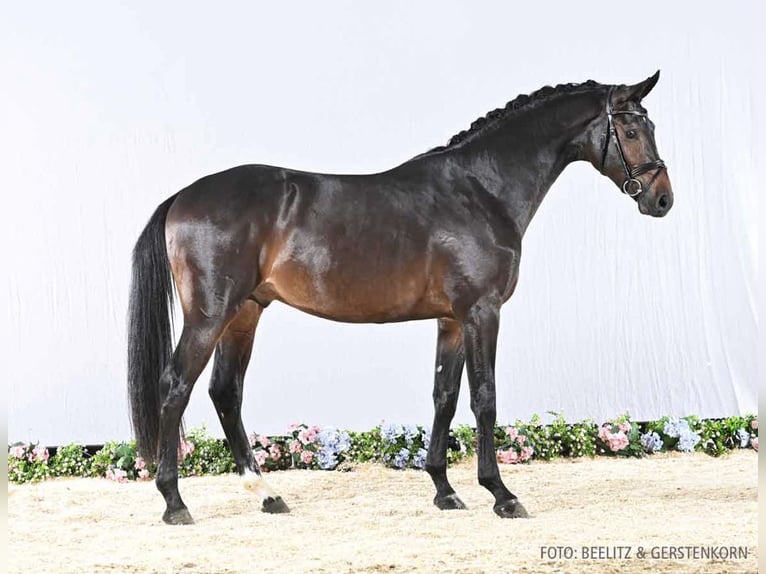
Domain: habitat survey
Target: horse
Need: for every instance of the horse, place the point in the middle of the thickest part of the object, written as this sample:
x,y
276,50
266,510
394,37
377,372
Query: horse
x,y
437,237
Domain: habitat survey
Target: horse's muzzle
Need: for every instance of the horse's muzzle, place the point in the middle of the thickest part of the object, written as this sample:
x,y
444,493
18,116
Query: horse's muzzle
x,y
656,205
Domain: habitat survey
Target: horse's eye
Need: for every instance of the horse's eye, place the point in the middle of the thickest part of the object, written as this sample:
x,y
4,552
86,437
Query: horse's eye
x,y
631,134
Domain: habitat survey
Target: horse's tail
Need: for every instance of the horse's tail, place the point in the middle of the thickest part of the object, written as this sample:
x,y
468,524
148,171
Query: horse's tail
x,y
149,330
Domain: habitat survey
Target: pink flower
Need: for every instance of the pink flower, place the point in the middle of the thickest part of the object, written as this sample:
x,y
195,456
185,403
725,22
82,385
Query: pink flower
x,y
275,451
526,453
140,463
604,432
308,436
509,456
295,446
521,439
512,433
40,453
143,474
624,427
17,451
754,424
260,457
264,441
253,439
754,443
292,427
617,441
187,448
117,475
307,456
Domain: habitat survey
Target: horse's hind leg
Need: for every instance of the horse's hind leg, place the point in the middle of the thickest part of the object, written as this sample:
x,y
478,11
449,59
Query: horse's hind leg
x,y
232,356
194,348
450,358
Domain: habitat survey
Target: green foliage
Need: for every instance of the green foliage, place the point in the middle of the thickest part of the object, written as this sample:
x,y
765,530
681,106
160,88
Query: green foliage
x,y
546,441
719,436
103,459
70,460
402,446
27,463
271,453
465,437
576,439
365,446
206,455
118,461
620,437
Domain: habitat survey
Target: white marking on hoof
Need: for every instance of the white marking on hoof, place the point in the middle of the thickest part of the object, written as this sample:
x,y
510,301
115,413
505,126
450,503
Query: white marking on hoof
x,y
256,484
439,369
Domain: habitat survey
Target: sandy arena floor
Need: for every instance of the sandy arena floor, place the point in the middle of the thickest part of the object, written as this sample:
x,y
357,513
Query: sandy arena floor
x,y
380,520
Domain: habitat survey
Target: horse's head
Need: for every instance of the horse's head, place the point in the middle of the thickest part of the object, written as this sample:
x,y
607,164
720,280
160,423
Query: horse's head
x,y
621,146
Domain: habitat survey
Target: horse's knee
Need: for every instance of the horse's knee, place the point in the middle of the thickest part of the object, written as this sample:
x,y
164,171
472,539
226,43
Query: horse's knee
x,y
445,402
485,411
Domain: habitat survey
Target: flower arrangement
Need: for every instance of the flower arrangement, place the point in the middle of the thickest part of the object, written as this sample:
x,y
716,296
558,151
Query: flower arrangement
x,y
28,462
395,445
514,447
462,443
312,447
404,446
559,438
119,462
70,460
270,453
673,433
718,436
201,454
620,437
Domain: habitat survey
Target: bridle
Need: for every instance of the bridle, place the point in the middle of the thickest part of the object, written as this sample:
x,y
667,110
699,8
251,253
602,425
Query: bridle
x,y
631,174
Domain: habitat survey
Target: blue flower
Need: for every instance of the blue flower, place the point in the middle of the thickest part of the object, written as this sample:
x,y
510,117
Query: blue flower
x,y
401,458
651,442
327,460
687,441
744,438
344,442
328,437
671,428
426,437
391,431
419,460
411,432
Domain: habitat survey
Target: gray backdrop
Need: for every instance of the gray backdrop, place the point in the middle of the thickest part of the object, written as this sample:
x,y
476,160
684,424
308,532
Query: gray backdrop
x,y
106,109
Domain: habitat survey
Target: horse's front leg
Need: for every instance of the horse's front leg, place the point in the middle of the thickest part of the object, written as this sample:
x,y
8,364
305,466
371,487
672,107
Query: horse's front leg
x,y
480,330
450,358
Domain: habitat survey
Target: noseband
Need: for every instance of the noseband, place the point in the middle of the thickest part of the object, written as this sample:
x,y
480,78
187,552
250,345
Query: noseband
x,y
631,174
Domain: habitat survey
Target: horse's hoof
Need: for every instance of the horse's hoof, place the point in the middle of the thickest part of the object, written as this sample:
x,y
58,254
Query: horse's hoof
x,y
274,505
449,502
181,516
511,509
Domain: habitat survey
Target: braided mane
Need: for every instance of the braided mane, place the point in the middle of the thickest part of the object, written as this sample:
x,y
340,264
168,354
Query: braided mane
x,y
520,102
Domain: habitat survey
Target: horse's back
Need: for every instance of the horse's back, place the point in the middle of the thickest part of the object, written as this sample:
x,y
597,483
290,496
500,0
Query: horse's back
x,y
372,248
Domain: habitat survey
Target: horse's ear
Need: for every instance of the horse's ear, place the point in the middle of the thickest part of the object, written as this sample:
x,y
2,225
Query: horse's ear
x,y
638,92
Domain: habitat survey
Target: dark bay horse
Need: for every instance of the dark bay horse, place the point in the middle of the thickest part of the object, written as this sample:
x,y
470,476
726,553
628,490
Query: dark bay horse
x,y
438,237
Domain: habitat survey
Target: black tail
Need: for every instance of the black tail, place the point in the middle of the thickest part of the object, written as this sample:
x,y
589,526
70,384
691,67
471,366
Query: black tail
x,y
150,337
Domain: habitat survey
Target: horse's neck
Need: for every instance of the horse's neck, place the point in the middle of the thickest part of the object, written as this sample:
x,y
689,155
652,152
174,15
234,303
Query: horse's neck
x,y
520,168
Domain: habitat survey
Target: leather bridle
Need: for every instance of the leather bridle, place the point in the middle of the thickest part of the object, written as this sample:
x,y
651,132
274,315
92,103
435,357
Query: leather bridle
x,y
631,174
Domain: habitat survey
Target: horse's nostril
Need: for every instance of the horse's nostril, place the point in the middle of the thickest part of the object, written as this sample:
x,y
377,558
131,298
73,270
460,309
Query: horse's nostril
x,y
663,201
